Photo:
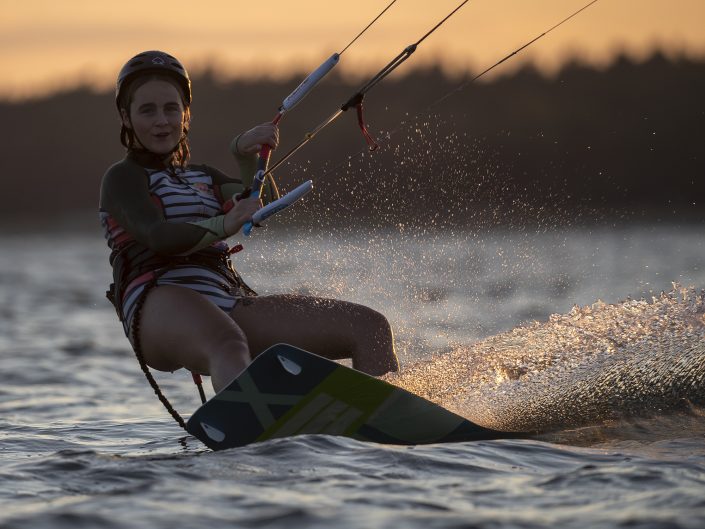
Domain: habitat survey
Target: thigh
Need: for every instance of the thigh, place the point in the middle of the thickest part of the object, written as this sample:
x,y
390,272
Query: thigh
x,y
327,327
180,328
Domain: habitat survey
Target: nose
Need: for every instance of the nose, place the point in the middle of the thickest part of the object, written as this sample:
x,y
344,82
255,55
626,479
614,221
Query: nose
x,y
161,118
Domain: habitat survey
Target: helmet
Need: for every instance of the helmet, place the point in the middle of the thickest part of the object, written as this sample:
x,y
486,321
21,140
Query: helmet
x,y
152,62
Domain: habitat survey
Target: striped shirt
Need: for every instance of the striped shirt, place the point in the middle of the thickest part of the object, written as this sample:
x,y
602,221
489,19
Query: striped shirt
x,y
182,196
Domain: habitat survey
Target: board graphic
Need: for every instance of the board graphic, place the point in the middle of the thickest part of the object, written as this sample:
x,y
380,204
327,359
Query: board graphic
x,y
287,391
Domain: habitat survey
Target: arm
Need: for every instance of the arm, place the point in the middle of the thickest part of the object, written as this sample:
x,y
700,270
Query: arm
x,y
125,196
246,147
246,162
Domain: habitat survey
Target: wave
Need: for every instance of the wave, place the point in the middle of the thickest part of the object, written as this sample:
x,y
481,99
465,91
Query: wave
x,y
596,364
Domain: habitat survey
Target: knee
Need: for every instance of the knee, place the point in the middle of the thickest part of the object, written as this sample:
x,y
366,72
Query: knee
x,y
381,341
376,322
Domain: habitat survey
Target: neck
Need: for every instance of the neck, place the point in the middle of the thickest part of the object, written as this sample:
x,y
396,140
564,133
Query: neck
x,y
151,159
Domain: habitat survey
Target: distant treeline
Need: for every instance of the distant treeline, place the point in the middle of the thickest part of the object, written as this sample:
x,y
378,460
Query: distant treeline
x,y
626,141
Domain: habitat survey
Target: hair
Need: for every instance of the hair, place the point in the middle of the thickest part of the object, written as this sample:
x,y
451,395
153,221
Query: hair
x,y
182,152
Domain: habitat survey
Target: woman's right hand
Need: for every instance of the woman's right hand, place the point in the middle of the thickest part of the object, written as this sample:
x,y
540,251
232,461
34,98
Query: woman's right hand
x,y
241,213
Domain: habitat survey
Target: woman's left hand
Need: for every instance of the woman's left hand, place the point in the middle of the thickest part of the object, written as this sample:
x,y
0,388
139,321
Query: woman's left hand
x,y
251,142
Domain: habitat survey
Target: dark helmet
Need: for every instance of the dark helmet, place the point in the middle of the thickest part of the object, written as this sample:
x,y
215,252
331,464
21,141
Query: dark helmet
x,y
153,62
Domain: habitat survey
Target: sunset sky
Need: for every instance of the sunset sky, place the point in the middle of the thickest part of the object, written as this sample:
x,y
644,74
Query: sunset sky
x,y
45,45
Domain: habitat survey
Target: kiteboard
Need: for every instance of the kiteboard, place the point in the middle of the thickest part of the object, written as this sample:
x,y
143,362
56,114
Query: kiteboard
x,y
287,391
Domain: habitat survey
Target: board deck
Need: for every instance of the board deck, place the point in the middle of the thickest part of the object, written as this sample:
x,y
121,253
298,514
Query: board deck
x,y
287,391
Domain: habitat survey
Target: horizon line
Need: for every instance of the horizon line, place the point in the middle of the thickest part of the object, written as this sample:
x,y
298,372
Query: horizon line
x,y
211,69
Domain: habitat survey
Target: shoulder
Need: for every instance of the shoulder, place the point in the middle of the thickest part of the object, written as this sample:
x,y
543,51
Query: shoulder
x,y
125,168
122,178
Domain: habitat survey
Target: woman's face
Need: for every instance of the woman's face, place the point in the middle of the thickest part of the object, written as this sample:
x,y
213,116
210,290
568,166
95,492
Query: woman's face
x,y
156,116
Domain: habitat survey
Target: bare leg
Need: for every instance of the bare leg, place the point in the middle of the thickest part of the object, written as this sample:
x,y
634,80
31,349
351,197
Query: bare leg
x,y
330,328
180,328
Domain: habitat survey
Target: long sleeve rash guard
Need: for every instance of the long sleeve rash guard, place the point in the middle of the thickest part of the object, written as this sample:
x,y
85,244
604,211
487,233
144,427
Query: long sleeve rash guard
x,y
170,211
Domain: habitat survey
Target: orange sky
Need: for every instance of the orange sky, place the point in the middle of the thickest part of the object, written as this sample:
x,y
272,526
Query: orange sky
x,y
45,44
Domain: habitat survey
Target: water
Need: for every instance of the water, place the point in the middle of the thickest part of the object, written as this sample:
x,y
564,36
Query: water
x,y
504,327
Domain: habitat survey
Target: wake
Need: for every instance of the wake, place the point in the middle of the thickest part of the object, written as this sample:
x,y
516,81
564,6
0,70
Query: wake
x,y
596,364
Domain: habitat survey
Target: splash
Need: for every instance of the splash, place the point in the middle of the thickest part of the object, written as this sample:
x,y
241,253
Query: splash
x,y
596,364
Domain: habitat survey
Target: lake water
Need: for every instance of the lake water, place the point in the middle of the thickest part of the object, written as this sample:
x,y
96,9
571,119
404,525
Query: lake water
x,y
546,332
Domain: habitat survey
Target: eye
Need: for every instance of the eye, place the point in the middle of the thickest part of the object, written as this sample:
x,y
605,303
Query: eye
x,y
147,109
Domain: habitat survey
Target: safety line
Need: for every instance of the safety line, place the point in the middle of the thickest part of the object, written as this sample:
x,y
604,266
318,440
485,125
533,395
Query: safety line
x,y
367,27
462,87
356,99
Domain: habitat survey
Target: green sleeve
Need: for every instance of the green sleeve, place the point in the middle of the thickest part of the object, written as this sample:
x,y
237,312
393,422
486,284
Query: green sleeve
x,y
248,168
247,163
124,194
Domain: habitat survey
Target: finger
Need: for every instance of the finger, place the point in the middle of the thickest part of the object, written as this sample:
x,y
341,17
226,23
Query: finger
x,y
274,139
254,148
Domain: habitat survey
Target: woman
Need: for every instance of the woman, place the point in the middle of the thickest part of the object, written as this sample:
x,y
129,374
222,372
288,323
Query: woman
x,y
180,301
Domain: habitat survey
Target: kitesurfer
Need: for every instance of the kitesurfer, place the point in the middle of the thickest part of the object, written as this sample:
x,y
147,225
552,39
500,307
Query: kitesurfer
x,y
181,302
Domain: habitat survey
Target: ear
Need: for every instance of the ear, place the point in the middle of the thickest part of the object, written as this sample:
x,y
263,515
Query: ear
x,y
125,118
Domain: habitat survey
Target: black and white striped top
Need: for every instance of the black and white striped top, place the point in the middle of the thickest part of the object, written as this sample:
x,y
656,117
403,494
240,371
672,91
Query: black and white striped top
x,y
184,195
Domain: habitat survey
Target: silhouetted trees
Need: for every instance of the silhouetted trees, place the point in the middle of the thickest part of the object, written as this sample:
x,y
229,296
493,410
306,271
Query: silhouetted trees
x,y
625,141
